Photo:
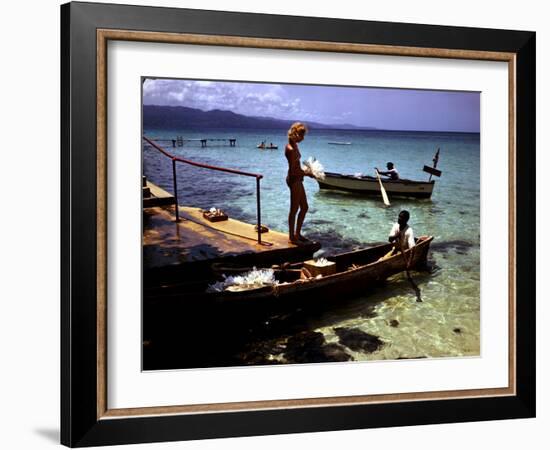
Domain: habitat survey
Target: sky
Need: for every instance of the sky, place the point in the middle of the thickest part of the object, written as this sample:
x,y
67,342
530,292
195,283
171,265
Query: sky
x,y
389,109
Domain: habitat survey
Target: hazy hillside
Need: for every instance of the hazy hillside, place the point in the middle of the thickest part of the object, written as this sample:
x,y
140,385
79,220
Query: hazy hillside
x,y
181,117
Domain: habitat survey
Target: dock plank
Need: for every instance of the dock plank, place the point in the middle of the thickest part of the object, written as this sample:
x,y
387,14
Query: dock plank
x,y
236,228
157,196
194,239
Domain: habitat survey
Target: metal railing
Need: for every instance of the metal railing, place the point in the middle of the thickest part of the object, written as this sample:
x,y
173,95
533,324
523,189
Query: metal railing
x,y
176,159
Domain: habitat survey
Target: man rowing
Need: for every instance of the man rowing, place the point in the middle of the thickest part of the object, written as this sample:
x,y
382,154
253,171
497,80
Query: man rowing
x,y
392,172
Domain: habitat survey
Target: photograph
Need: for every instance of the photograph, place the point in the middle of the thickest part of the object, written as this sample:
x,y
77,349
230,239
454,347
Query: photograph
x,y
304,223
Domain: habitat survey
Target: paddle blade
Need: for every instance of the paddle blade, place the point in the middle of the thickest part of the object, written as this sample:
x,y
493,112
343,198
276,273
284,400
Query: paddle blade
x,y
383,191
385,196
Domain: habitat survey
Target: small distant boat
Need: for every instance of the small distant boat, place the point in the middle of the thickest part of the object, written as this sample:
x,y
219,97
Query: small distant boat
x,y
267,147
340,143
367,185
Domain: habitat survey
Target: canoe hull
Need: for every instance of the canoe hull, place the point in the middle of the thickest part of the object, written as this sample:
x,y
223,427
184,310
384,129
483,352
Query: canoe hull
x,y
348,281
341,284
366,185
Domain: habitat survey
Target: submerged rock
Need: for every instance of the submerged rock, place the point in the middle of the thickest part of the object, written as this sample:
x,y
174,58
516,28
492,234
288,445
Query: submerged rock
x,y
394,323
304,347
319,222
333,241
260,353
309,347
458,245
358,340
336,353
457,330
369,312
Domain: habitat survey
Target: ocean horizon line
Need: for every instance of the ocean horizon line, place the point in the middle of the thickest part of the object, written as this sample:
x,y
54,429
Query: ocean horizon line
x,y
353,130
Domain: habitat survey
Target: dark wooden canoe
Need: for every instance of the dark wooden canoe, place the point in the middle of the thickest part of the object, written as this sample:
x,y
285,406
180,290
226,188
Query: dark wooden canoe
x,y
355,272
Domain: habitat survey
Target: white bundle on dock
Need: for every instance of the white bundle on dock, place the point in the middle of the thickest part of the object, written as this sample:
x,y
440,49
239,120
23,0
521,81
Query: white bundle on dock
x,y
313,167
254,279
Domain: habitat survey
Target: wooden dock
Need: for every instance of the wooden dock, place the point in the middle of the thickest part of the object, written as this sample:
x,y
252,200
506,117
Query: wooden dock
x,y
155,196
194,243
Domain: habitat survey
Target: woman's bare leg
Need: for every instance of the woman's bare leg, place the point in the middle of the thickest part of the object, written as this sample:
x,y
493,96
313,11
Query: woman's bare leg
x,y
294,205
303,210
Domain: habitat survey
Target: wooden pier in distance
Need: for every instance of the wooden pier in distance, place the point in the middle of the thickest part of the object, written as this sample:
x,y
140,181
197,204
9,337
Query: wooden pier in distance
x,y
179,141
231,141
178,249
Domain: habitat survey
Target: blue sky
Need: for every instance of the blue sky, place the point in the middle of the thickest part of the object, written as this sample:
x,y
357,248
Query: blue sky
x,y
394,109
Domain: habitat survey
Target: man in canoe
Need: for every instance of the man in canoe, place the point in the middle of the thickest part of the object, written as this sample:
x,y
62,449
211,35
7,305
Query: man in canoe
x,y
402,236
392,172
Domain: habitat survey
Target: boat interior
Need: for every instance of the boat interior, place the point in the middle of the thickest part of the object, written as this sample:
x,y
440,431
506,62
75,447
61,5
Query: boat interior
x,y
284,273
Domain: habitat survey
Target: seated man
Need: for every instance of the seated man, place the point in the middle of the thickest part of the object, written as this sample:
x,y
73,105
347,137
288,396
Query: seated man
x,y
402,236
392,172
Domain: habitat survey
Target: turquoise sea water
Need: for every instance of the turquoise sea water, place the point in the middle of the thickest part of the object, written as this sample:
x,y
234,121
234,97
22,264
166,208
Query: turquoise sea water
x,y
447,322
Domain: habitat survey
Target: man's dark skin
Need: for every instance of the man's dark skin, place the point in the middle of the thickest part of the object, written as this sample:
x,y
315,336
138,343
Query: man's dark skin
x,y
390,166
402,220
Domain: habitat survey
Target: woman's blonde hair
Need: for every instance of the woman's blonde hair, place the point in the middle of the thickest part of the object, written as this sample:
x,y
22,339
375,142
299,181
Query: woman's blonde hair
x,y
296,131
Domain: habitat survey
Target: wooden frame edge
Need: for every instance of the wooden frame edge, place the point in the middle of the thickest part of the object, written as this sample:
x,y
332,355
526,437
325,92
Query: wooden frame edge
x,y
512,225
103,36
101,189
303,403
289,44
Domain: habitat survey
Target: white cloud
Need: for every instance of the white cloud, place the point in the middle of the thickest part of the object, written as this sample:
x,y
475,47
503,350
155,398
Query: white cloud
x,y
243,98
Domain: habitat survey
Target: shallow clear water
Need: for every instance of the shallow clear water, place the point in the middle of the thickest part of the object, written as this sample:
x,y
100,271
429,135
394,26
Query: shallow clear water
x,y
446,323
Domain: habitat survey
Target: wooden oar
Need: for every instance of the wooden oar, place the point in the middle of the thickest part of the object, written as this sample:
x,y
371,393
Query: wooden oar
x,y
409,277
383,190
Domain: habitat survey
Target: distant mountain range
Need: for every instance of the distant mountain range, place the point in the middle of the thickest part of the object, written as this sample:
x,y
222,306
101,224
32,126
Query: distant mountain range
x,y
176,117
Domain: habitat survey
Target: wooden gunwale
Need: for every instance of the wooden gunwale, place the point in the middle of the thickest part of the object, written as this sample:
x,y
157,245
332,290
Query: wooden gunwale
x,y
374,271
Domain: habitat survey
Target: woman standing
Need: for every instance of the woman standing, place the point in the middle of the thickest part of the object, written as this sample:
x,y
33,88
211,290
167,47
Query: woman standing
x,y
294,181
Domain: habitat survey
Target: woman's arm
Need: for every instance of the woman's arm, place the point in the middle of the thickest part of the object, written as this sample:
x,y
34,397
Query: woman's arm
x,y
294,166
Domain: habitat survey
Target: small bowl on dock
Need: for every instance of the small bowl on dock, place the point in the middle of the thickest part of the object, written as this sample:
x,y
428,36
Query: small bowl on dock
x,y
215,216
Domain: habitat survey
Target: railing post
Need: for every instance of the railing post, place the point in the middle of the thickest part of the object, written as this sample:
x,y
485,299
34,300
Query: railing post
x,y
175,189
259,213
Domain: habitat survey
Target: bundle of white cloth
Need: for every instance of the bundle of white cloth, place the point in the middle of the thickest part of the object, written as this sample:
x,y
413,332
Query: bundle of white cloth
x,y
313,167
251,280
